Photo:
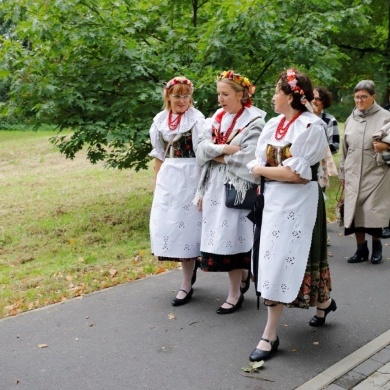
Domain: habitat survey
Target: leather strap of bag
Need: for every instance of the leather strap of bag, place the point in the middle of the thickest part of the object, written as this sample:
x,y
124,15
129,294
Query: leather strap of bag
x,y
168,146
241,130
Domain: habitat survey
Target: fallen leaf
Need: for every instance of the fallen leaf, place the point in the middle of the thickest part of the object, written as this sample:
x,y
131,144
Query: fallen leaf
x,y
113,272
256,365
42,345
171,316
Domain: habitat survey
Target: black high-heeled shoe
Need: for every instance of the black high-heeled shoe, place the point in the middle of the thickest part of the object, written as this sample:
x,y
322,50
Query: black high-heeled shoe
x,y
182,301
247,282
258,354
233,308
193,279
319,321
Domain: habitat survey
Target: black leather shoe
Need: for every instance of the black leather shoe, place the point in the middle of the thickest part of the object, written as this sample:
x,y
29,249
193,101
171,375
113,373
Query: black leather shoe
x,y
319,321
258,354
386,233
360,255
193,279
247,282
376,257
183,301
233,308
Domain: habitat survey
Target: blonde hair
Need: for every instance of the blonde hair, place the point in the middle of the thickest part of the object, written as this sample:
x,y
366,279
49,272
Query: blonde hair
x,y
237,88
177,89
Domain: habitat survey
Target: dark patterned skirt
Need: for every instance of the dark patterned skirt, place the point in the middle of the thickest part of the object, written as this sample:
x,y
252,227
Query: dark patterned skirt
x,y
162,258
317,283
211,262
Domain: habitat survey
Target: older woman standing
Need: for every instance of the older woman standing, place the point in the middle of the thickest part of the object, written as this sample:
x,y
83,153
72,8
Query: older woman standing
x,y
226,145
366,180
292,267
175,223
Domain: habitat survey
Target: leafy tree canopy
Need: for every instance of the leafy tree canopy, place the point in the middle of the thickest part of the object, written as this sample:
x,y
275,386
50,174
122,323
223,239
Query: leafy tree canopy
x,y
98,67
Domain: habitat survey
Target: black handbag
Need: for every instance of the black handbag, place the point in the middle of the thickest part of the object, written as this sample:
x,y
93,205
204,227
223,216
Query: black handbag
x,y
231,197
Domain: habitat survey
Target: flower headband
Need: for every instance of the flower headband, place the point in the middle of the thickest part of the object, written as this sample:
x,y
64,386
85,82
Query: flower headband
x,y
238,79
292,81
178,80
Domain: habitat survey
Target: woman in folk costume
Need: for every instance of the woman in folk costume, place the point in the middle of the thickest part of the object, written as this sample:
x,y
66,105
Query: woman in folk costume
x,y
292,263
175,223
227,143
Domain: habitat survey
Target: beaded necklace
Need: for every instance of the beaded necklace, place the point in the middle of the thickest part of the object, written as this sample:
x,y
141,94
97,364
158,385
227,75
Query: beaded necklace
x,y
280,130
222,138
174,123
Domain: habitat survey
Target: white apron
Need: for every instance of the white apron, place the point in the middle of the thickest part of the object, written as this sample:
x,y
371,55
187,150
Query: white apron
x,y
287,227
175,222
225,231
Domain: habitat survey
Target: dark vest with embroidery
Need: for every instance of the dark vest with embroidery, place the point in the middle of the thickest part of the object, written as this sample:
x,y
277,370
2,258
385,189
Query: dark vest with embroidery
x,y
182,148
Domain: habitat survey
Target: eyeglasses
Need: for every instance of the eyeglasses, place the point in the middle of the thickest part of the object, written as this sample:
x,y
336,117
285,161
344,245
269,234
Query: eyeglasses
x,y
362,97
180,97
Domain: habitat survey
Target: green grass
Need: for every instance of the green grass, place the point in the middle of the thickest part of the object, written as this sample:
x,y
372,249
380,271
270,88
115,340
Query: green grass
x,y
68,228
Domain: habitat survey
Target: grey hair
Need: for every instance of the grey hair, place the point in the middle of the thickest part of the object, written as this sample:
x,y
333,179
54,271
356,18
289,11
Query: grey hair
x,y
367,85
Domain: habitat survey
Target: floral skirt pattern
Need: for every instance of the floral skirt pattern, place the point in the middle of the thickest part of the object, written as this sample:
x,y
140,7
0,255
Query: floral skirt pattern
x,y
317,283
211,262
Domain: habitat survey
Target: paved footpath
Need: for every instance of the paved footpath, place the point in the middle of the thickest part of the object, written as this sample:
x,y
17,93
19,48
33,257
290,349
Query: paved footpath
x,y
130,337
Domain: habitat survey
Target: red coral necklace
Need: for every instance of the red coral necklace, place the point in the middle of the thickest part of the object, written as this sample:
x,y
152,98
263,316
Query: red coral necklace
x,y
222,138
174,123
282,131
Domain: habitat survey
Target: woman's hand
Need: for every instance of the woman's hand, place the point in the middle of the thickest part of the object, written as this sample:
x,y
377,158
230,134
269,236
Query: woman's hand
x,y
380,146
299,180
256,170
227,150
231,149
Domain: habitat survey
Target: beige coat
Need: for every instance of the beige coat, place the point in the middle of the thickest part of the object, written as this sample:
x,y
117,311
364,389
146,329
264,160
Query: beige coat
x,y
367,184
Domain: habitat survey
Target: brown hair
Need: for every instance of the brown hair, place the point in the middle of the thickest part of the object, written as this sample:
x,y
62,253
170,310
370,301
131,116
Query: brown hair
x,y
304,84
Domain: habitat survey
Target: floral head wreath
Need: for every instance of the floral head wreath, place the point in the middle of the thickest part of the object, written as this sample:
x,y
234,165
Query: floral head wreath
x,y
296,89
238,79
178,80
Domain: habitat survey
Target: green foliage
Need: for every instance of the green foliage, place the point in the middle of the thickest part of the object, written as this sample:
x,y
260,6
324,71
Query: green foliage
x,y
98,67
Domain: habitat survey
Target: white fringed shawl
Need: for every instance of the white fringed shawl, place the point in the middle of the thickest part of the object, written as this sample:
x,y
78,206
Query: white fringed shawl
x,y
251,124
